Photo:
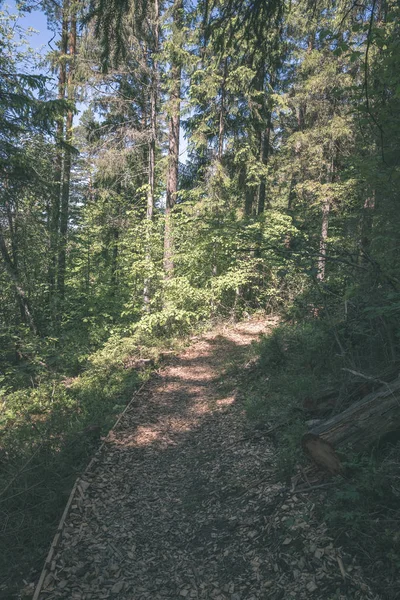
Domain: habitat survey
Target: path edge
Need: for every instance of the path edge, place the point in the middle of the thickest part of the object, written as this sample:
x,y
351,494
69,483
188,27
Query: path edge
x,y
64,516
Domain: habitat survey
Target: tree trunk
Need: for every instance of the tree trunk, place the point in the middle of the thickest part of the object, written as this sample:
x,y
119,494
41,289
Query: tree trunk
x,y
366,226
66,179
152,158
357,428
323,240
54,223
153,110
221,131
114,263
249,201
13,237
22,299
152,148
301,116
204,32
173,138
248,193
264,156
326,208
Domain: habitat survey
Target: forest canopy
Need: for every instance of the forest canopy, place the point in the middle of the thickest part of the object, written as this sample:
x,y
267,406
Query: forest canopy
x,y
226,156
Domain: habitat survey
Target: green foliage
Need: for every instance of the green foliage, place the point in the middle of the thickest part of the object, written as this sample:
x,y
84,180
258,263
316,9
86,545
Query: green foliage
x,y
299,361
47,434
288,202
367,507
294,362
24,104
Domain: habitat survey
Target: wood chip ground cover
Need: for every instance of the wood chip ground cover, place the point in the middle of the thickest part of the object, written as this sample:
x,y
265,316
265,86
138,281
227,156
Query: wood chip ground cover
x,y
183,503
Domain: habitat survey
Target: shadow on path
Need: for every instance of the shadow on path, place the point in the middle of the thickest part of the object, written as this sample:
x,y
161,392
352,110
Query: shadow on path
x,y
164,514
182,504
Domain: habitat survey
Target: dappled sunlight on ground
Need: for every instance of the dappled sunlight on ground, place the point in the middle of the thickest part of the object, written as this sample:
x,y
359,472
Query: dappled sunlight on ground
x,y
185,391
183,503
226,401
152,491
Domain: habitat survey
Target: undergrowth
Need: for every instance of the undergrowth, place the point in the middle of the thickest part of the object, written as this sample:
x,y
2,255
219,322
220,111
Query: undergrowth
x,y
49,431
297,362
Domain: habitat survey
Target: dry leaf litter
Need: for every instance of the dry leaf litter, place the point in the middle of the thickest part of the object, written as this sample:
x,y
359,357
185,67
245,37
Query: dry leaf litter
x,y
183,503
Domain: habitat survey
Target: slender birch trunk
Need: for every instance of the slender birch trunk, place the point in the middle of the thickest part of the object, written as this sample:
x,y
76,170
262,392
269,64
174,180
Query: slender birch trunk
x,y
173,139
323,240
326,209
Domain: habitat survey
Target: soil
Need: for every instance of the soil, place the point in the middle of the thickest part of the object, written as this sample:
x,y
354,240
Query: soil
x,y
183,501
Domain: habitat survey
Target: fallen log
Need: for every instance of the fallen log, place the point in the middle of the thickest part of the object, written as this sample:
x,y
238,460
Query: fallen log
x,y
332,399
357,428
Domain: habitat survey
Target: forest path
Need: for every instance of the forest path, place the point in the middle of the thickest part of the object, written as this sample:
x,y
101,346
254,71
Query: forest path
x,y
183,503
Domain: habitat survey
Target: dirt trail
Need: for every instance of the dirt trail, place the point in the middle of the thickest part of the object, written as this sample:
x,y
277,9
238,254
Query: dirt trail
x,y
183,503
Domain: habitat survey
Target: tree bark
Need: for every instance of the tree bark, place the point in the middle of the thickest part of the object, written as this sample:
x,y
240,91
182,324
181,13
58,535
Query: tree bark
x,y
204,32
358,427
248,193
173,138
264,156
249,201
153,109
221,131
114,262
66,177
54,223
326,209
22,299
323,240
13,237
155,26
366,226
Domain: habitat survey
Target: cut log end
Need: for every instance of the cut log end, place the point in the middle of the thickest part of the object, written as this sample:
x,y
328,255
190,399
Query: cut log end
x,y
322,453
359,427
